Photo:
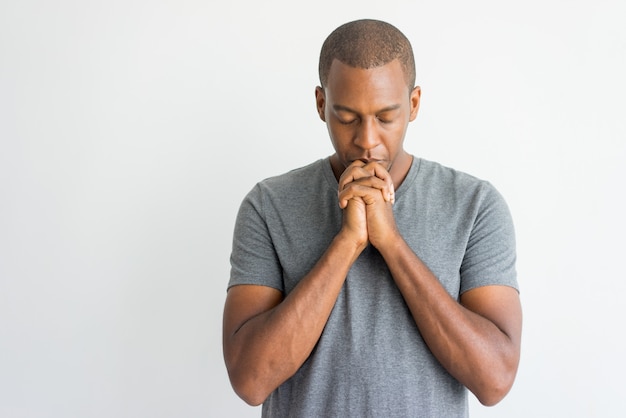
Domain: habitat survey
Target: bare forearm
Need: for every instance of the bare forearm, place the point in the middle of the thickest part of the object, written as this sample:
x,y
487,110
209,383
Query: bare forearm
x,y
269,348
471,347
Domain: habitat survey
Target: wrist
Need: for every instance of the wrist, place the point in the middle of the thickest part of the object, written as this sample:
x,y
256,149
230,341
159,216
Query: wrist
x,y
390,243
351,243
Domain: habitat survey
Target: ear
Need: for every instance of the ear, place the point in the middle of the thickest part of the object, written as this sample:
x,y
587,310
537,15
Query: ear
x,y
320,101
415,102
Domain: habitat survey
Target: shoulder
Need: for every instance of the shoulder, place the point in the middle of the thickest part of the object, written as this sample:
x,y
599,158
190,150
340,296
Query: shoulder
x,y
447,175
436,178
288,188
312,172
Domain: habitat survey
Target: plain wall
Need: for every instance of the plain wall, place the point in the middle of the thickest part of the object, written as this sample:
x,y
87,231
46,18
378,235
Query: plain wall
x,y
131,130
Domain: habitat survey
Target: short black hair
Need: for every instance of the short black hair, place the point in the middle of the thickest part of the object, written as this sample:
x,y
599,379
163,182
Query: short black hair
x,y
367,43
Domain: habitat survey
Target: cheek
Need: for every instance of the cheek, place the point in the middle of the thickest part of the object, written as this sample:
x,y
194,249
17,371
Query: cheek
x,y
341,134
393,138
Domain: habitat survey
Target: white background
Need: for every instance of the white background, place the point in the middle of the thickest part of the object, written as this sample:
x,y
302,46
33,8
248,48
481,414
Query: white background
x,y
131,130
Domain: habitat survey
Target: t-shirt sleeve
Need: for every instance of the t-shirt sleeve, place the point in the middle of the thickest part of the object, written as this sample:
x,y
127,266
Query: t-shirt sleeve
x,y
490,256
253,258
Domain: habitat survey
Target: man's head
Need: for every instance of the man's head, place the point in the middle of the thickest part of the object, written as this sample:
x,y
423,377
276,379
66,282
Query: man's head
x,y
367,98
367,44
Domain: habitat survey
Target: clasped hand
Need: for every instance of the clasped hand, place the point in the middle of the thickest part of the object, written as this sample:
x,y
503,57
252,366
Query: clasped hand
x,y
366,194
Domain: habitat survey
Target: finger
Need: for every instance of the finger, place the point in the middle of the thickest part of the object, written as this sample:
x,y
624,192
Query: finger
x,y
381,187
353,172
359,170
380,172
370,190
343,203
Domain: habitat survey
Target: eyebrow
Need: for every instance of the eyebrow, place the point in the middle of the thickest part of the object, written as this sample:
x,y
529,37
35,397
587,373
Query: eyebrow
x,y
338,107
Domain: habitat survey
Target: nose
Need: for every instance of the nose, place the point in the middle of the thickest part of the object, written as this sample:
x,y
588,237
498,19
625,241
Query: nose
x,y
367,136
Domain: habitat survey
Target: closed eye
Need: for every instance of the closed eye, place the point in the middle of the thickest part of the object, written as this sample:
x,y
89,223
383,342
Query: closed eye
x,y
347,122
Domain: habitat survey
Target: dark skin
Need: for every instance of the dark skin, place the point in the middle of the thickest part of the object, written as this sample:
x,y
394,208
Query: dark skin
x,y
267,336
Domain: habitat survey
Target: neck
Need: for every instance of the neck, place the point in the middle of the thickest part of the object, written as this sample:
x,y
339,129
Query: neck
x,y
400,168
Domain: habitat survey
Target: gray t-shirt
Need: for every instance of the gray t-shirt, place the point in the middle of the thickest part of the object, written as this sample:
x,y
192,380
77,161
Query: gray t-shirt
x,y
371,360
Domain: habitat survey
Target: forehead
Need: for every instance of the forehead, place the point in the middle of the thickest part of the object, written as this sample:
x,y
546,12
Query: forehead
x,y
373,87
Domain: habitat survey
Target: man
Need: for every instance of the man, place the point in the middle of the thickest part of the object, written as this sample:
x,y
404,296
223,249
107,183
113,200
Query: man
x,y
372,282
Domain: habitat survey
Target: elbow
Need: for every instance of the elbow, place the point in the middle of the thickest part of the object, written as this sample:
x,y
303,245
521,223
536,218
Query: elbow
x,y
492,396
495,387
247,388
251,397
244,378
495,379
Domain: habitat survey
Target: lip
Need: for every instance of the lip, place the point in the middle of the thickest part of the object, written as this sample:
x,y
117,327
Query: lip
x,y
368,160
